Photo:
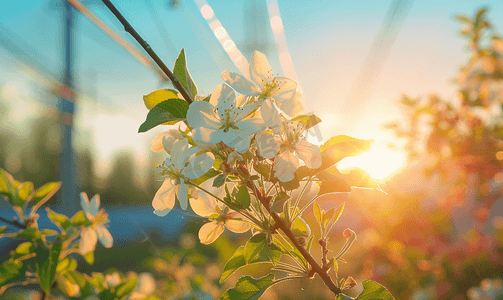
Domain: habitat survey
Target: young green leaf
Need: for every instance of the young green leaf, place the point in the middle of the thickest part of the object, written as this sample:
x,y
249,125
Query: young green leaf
x,y
181,72
219,180
339,147
168,112
210,174
308,120
47,262
317,211
310,243
125,288
271,253
156,97
241,197
373,290
44,193
254,245
62,221
238,260
248,288
79,219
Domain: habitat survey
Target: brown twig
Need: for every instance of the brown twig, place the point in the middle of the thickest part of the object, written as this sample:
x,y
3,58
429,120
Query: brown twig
x,y
15,223
314,265
149,50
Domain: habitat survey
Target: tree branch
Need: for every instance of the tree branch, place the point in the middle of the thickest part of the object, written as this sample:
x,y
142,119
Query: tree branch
x,y
15,223
149,50
316,267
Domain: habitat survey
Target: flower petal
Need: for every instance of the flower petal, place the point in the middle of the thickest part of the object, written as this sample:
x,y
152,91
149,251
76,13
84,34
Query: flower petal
x,y
209,232
199,165
285,165
163,141
292,107
179,153
270,115
223,98
182,195
88,239
164,199
260,69
201,114
268,145
240,83
84,202
202,205
308,152
234,225
285,91
94,205
104,236
207,135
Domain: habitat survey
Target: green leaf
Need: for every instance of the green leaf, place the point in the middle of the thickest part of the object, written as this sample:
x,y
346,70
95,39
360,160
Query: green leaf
x,y
79,219
374,291
23,249
62,221
210,174
254,245
25,192
69,288
310,243
343,297
248,288
242,197
169,111
300,228
181,72
333,181
89,257
308,120
126,287
262,168
156,97
360,178
11,271
45,192
317,211
3,229
339,147
271,252
336,215
290,185
219,180
47,262
238,260
6,187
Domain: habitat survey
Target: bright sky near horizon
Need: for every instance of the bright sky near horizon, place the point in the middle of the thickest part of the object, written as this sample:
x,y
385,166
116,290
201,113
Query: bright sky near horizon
x,y
328,41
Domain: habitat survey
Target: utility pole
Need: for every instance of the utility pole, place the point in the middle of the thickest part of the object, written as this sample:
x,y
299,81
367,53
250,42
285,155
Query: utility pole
x,y
69,200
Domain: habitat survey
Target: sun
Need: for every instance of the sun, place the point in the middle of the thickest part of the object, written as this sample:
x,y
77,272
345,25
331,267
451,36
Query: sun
x,y
379,162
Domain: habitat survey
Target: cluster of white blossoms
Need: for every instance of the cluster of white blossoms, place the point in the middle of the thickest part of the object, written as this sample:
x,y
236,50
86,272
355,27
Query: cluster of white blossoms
x,y
228,134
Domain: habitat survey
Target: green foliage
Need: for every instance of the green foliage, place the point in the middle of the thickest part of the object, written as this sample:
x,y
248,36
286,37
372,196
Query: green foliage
x,y
254,245
47,261
339,147
308,120
248,288
167,112
181,72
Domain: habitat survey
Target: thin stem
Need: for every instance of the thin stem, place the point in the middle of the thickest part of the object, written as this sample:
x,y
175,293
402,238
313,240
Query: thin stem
x,y
293,267
297,202
15,223
149,50
242,212
315,266
293,256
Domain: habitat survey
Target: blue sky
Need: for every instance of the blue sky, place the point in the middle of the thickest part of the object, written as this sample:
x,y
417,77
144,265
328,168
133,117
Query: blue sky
x,y
328,41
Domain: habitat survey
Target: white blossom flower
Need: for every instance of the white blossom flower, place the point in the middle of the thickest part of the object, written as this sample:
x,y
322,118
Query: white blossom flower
x,y
177,168
283,147
97,231
165,140
220,216
281,90
221,120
